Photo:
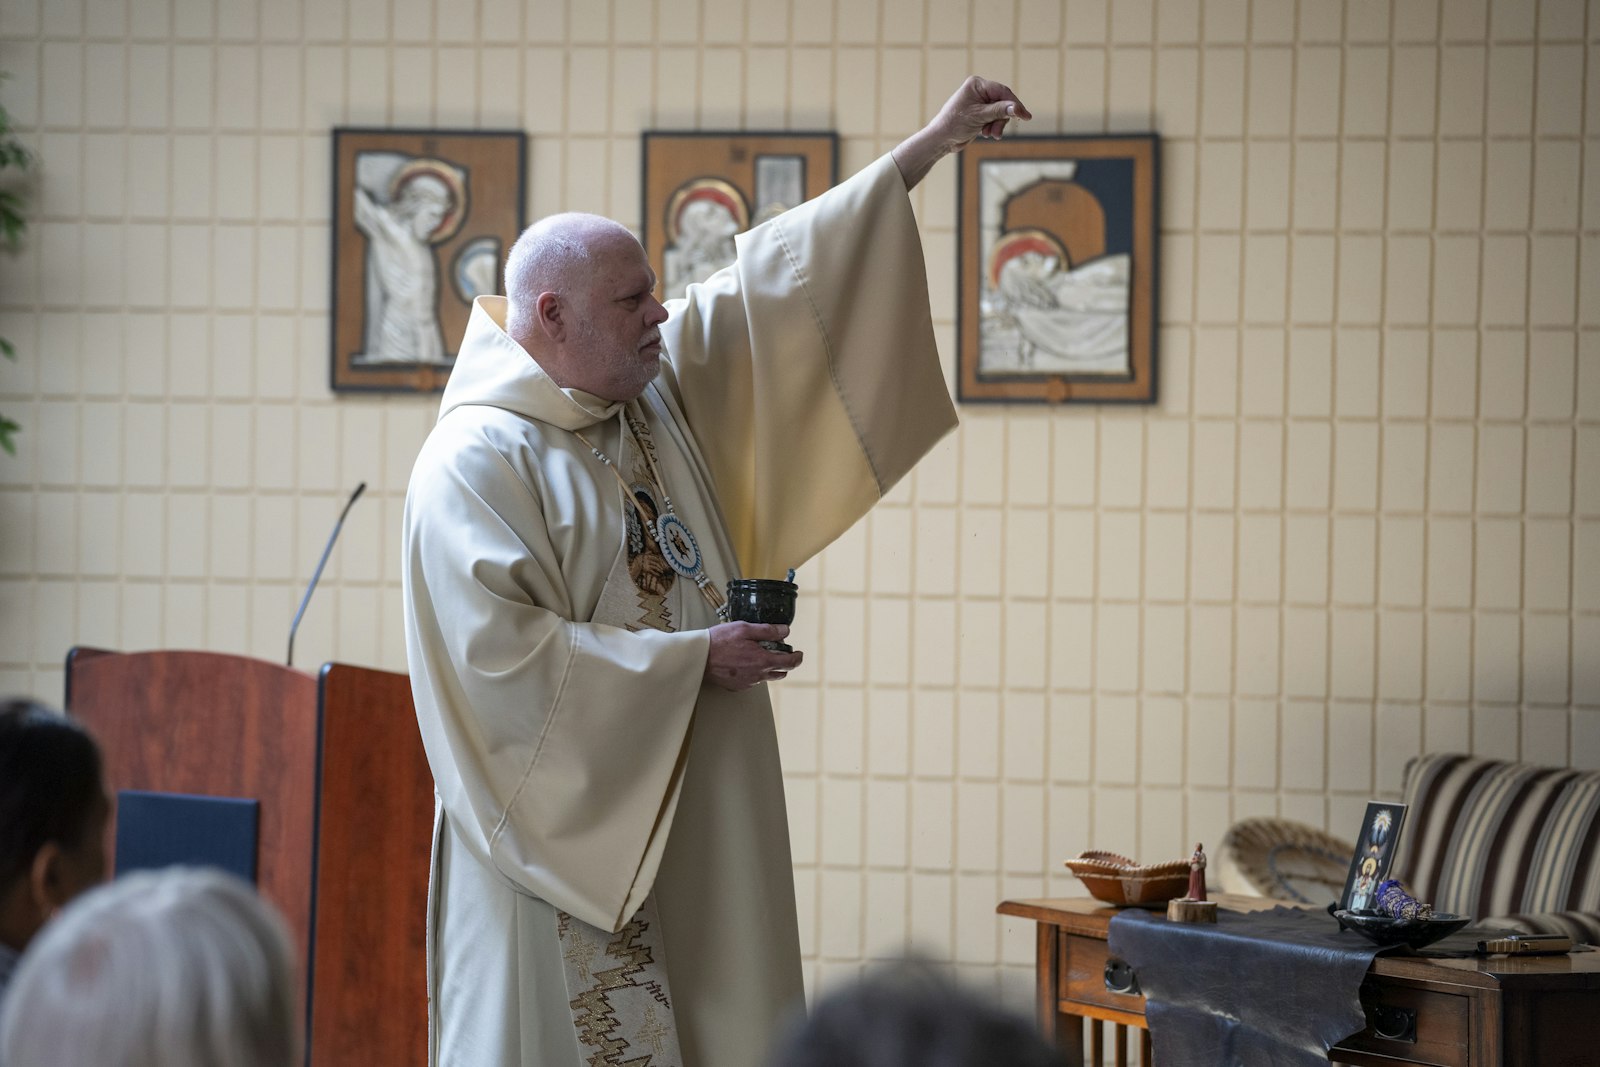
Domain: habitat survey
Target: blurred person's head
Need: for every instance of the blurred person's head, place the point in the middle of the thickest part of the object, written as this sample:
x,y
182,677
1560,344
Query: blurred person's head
x,y
181,967
53,812
908,1015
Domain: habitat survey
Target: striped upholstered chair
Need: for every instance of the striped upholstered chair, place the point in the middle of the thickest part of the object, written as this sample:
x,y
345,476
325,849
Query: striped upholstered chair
x,y
1510,843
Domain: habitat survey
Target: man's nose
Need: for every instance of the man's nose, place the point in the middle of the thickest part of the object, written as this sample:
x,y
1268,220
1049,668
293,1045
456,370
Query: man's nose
x,y
656,313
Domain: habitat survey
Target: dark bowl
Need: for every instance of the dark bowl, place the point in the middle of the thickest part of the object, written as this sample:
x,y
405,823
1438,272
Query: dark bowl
x,y
761,600
1386,930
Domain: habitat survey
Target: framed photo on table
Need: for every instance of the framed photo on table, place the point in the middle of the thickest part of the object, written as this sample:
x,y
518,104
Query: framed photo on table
x,y
422,221
1375,847
703,187
1058,268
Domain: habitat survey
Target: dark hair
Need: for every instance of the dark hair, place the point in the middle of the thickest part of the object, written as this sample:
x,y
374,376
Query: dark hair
x,y
49,783
910,1016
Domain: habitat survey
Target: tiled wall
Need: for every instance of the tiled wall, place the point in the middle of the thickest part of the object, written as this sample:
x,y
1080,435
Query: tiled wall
x,y
1362,522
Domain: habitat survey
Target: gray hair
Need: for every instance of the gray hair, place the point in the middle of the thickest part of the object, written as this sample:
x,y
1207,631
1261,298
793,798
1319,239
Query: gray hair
x,y
552,256
181,967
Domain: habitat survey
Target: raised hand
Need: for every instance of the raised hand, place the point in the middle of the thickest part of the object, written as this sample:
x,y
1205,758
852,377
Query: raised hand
x,y
979,108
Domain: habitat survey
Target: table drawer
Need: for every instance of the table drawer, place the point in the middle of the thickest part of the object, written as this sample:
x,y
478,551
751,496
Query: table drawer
x,y
1413,1025
1084,980
1405,1023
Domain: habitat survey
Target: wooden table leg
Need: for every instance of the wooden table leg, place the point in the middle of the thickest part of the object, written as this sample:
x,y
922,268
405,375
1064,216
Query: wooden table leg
x,y
1065,1030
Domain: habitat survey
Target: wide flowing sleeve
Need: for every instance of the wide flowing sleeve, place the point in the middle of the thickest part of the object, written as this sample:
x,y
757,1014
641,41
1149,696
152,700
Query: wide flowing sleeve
x,y
808,369
556,746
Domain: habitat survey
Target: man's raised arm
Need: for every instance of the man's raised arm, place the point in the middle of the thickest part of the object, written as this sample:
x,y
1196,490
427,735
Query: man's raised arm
x,y
979,108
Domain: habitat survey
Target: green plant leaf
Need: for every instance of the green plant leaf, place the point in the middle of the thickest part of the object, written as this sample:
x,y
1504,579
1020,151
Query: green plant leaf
x,y
12,221
7,429
8,349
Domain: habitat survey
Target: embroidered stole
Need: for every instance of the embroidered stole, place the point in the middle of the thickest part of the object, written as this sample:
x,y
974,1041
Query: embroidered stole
x,y
617,983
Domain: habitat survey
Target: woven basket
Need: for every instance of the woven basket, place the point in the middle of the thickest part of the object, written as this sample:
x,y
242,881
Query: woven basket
x,y
1118,880
1284,860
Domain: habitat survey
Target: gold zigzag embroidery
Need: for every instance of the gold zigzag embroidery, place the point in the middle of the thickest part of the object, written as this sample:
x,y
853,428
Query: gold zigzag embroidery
x,y
654,611
595,1018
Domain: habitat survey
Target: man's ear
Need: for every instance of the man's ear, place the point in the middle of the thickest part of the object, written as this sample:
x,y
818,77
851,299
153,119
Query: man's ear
x,y
47,880
550,313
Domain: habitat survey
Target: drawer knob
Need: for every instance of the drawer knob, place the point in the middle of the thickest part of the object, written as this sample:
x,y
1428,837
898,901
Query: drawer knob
x,y
1393,1024
1120,977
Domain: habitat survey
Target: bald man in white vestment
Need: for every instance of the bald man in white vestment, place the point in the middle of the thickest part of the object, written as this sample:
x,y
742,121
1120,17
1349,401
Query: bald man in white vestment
x,y
611,878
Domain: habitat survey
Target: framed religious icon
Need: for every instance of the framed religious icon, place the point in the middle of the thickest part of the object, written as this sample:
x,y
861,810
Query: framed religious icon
x,y
701,188
1057,290
422,221
1369,865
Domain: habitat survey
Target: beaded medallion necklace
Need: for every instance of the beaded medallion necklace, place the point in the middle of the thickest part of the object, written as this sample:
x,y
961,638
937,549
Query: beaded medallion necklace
x,y
678,545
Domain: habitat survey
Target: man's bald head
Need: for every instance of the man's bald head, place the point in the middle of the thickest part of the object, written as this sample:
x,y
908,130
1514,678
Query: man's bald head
x,y
557,255
580,300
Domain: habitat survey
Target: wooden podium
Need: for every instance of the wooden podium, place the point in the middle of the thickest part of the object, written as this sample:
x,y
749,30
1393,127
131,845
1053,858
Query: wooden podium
x,y
345,815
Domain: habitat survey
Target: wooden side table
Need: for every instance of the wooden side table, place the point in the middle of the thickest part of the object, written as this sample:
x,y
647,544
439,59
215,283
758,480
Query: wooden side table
x,y
1541,1011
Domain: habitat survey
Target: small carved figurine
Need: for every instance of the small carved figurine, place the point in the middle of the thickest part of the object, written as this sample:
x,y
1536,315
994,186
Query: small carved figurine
x,y
1193,907
1197,874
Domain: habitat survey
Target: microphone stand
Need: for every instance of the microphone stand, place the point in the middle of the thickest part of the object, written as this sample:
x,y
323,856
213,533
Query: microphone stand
x,y
326,552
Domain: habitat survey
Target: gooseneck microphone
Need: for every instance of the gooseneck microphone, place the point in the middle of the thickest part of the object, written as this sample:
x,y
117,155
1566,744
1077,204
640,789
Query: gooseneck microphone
x,y
323,562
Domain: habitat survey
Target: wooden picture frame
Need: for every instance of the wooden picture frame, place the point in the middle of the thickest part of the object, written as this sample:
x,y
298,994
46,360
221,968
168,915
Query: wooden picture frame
x,y
1057,298
422,221
700,187
1374,853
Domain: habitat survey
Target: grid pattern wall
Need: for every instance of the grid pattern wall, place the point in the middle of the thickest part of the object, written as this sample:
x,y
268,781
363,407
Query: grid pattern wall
x,y
1362,521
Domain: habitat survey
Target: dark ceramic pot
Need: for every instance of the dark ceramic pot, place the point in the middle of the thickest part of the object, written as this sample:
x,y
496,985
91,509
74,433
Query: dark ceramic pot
x,y
763,600
1387,930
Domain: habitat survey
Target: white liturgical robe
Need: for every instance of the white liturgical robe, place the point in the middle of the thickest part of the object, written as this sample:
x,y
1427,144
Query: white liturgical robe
x,y
582,767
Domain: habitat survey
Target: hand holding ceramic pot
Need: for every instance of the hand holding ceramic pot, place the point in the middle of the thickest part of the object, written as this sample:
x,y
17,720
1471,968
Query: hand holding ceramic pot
x,y
750,649
763,600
